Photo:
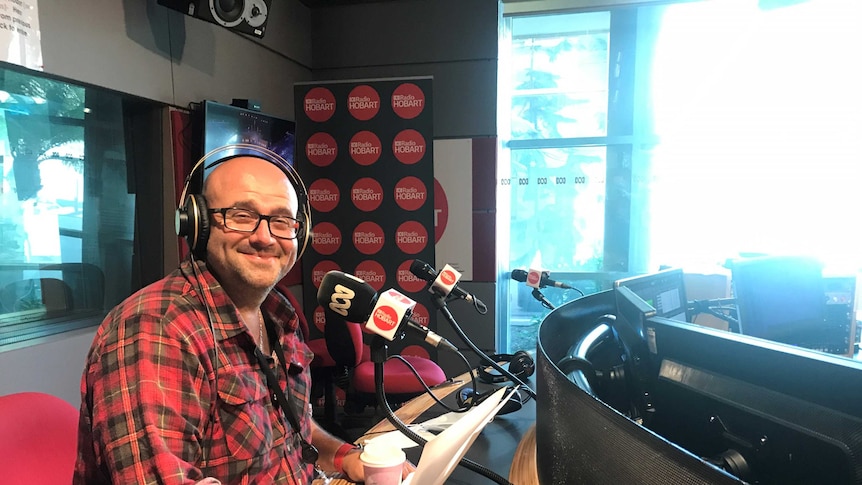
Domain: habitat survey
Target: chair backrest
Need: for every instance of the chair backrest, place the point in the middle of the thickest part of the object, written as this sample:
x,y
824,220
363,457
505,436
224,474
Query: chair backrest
x,y
779,298
38,439
87,283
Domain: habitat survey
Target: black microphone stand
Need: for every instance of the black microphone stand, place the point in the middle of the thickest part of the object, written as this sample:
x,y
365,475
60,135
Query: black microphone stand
x,y
440,302
541,297
379,354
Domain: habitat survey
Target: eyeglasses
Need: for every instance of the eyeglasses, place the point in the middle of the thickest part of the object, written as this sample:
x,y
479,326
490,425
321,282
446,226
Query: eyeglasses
x,y
247,220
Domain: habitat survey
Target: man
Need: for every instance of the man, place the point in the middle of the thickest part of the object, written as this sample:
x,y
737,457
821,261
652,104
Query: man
x,y
172,391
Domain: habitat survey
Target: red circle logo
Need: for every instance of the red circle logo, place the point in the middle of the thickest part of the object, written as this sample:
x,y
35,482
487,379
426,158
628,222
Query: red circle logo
x,y
319,104
323,195
372,272
368,238
411,237
447,278
420,315
385,318
319,318
533,277
408,101
407,280
441,211
321,149
410,193
408,147
415,350
363,102
366,194
326,239
320,269
365,148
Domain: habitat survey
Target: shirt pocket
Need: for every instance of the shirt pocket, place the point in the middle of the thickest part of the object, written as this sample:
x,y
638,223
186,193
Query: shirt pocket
x,y
243,410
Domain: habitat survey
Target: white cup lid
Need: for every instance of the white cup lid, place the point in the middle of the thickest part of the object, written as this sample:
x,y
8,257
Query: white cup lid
x,y
380,454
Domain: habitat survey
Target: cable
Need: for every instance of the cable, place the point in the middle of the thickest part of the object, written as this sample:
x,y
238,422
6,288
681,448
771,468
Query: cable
x,y
441,305
428,389
400,426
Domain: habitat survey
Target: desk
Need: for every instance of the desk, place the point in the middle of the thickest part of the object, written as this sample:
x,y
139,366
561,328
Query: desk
x,y
506,445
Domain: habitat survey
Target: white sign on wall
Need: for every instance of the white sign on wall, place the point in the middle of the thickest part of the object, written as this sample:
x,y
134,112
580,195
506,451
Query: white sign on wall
x,y
20,41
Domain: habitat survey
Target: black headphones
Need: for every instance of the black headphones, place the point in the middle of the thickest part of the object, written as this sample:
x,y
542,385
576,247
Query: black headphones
x,y
521,365
467,397
192,217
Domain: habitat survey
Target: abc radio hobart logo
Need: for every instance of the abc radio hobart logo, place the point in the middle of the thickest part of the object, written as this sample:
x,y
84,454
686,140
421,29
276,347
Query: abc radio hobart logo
x,y
365,148
319,104
408,146
408,101
321,149
385,318
323,195
410,193
366,194
363,102
411,237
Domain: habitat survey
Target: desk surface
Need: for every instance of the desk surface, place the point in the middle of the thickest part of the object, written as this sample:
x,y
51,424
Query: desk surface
x,y
506,445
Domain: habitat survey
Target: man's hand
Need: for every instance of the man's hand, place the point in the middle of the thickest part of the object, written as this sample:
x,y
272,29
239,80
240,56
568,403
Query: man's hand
x,y
354,470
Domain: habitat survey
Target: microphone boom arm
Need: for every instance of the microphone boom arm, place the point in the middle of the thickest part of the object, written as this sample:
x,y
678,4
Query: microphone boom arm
x,y
440,303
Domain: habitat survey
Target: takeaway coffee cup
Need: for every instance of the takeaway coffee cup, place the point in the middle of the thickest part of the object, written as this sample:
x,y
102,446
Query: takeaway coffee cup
x,y
383,464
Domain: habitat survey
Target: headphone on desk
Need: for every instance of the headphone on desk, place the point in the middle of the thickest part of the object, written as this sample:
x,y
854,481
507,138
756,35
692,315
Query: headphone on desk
x,y
193,218
468,397
521,365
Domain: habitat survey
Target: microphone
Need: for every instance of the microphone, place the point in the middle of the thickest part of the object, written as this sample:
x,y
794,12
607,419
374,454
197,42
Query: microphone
x,y
445,283
386,314
537,279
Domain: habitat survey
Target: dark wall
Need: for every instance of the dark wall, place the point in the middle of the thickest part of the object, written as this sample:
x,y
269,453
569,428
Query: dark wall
x,y
453,40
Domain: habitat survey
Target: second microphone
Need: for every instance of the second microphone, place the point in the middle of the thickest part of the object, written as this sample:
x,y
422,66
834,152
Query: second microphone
x,y
387,314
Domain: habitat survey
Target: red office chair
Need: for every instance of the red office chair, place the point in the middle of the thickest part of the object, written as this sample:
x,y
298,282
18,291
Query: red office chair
x,y
38,439
344,341
399,382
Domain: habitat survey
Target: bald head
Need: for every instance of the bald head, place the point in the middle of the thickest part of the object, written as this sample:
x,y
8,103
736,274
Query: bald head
x,y
249,264
246,173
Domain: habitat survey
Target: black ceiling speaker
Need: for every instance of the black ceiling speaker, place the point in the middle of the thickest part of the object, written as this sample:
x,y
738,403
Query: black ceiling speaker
x,y
246,16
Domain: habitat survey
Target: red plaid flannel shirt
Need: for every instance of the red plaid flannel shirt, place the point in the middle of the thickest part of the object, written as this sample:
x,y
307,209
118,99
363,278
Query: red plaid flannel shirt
x,y
155,410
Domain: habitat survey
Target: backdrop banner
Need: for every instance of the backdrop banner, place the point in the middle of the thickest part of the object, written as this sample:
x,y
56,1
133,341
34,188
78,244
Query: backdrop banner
x,y
365,150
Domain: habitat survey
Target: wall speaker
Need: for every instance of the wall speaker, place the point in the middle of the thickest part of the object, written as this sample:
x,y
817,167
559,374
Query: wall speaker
x,y
246,16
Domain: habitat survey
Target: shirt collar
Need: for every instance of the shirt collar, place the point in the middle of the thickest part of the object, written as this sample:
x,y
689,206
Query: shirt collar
x,y
225,316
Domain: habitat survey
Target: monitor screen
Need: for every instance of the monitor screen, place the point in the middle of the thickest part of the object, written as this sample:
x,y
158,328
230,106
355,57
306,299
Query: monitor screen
x,y
664,291
226,125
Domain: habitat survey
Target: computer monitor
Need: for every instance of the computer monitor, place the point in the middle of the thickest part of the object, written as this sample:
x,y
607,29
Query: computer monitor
x,y
227,125
663,290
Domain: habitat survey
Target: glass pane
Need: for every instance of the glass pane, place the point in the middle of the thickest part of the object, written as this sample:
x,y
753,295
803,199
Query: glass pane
x,y
559,68
557,199
731,126
762,132
67,204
